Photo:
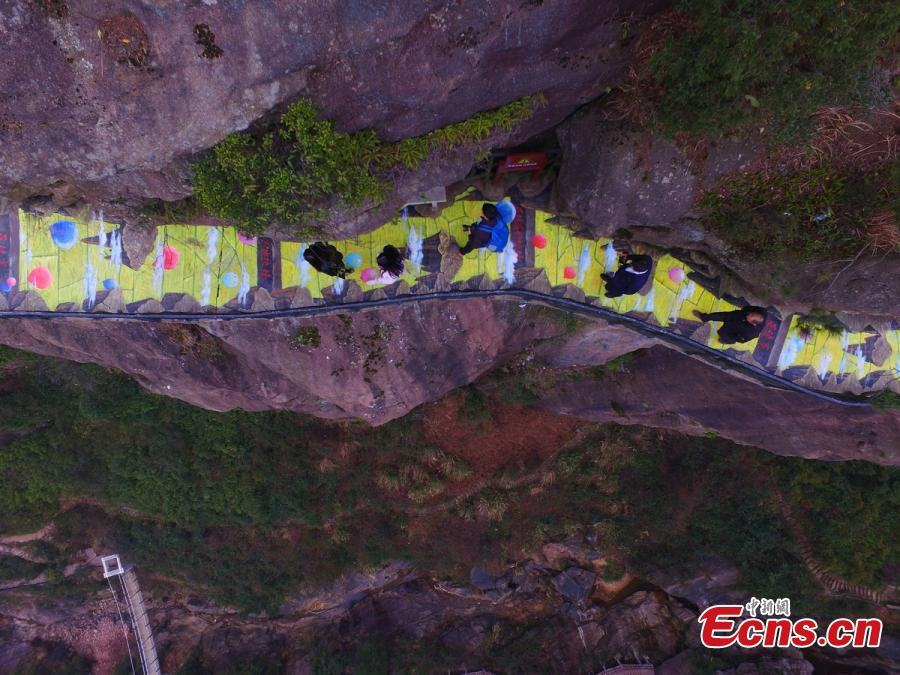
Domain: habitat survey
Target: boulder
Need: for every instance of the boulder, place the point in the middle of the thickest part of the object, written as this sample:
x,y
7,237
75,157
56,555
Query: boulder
x,y
451,258
258,300
533,280
147,306
433,283
180,302
399,288
569,292
575,584
301,297
110,301
614,178
29,301
352,292
374,294
259,58
481,579
480,282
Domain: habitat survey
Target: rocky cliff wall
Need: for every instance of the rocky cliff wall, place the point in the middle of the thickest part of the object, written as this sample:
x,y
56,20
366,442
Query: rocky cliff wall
x,y
615,178
379,364
103,101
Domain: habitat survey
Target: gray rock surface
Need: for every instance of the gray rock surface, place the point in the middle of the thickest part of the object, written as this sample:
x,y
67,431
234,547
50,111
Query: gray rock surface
x,y
89,117
575,584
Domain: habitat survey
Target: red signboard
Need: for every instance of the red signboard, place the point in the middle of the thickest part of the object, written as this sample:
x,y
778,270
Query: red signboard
x,y
522,161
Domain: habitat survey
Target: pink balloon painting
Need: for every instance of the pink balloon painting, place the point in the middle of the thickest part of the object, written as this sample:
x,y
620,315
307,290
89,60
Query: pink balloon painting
x,y
170,257
40,277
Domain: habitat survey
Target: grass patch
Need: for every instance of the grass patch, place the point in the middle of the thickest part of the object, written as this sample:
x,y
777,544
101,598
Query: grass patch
x,y
475,406
885,400
13,567
818,319
613,367
736,63
293,174
252,506
818,213
306,336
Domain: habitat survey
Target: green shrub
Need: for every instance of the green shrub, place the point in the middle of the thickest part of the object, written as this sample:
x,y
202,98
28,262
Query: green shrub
x,y
13,567
289,175
474,406
306,336
819,213
818,319
293,174
886,400
852,512
767,61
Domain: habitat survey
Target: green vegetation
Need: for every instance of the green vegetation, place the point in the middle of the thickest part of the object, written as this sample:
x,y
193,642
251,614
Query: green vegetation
x,y
613,367
821,213
474,406
667,519
852,514
886,400
250,507
731,63
12,568
306,336
818,319
371,657
292,174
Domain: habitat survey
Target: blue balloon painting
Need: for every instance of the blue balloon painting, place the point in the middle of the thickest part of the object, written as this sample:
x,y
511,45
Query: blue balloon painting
x,y
353,260
64,234
229,280
110,284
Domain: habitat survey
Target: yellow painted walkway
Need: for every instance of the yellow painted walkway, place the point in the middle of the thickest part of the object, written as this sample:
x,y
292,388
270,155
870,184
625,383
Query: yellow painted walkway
x,y
219,269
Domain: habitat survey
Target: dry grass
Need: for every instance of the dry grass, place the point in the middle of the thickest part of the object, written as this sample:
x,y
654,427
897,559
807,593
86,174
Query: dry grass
x,y
843,135
846,137
633,99
492,506
421,481
193,341
451,468
883,232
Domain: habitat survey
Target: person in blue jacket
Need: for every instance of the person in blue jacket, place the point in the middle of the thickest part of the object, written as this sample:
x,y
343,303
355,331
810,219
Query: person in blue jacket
x,y
492,230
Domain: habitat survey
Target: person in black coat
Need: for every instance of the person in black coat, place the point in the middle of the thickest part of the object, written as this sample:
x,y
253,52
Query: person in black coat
x,y
741,325
325,258
631,277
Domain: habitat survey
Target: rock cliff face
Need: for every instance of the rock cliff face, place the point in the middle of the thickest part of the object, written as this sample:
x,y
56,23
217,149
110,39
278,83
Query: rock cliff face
x,y
663,388
615,178
103,101
374,365
552,612
377,365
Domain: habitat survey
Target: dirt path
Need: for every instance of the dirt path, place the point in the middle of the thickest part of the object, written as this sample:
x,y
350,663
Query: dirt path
x,y
40,534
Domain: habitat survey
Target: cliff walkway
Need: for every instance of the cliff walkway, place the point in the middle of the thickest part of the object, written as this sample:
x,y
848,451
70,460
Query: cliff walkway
x,y
58,267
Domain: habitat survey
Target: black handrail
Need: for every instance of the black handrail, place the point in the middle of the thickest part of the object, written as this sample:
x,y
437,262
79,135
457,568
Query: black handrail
x,y
689,346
